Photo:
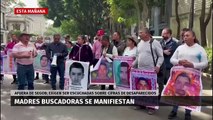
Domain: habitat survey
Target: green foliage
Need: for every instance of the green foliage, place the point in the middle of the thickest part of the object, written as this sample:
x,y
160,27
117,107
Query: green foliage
x,y
70,27
52,30
209,54
56,10
122,11
125,12
89,15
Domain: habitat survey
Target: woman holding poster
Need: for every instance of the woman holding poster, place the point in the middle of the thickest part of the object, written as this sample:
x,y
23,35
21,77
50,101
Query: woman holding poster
x,y
109,51
195,57
131,49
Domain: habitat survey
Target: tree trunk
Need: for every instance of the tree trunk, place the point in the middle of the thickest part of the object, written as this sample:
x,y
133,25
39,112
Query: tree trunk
x,y
138,14
144,13
177,19
204,23
191,17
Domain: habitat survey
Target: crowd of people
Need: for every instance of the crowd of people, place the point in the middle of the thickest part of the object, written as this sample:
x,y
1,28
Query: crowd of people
x,y
149,54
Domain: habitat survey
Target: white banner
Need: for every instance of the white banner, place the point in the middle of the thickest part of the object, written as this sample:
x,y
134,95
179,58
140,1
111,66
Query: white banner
x,y
76,75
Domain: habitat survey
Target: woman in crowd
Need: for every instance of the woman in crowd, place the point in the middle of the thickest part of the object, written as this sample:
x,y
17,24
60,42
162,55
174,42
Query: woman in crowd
x,y
195,57
38,44
131,49
69,45
81,51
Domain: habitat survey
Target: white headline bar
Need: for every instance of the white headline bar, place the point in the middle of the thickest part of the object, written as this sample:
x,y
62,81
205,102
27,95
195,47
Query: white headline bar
x,y
83,93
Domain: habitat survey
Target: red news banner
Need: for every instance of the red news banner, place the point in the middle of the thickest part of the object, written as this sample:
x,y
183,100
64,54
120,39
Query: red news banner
x,y
30,10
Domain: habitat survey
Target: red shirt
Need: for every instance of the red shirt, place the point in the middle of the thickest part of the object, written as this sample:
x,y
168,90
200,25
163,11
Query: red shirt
x,y
10,45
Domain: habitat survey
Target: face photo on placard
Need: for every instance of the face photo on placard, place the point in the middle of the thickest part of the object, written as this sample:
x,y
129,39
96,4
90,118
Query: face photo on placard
x,y
76,73
124,73
143,80
104,73
44,62
143,84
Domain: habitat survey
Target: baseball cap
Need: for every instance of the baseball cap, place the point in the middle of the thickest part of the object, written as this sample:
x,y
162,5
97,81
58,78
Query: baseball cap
x,y
100,33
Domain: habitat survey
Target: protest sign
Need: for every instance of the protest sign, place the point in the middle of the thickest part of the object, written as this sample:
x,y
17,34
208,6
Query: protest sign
x,y
121,65
145,80
41,62
11,63
102,73
183,88
76,75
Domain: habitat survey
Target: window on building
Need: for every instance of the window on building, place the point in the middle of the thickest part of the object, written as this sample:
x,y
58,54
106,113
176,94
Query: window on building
x,y
16,27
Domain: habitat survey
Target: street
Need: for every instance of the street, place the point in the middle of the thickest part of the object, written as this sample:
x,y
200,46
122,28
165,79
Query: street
x,y
83,113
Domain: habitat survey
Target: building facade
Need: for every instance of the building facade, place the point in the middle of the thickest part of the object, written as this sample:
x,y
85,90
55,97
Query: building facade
x,y
21,23
184,12
4,30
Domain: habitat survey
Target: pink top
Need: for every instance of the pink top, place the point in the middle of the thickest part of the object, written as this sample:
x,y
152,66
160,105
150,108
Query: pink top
x,y
23,49
97,49
10,45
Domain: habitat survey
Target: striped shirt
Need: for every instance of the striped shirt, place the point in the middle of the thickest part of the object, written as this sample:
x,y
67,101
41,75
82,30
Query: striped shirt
x,y
20,48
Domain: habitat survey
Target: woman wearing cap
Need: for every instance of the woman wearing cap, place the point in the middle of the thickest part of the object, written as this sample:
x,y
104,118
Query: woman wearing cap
x,y
131,48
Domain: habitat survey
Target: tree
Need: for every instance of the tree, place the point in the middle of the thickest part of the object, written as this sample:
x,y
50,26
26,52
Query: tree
x,y
70,27
56,10
204,21
177,18
52,30
89,15
139,11
191,15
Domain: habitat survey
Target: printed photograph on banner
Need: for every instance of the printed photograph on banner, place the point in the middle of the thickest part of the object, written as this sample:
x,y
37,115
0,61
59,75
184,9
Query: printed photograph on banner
x,y
103,74
41,62
77,74
11,63
121,69
1,64
184,85
66,83
145,80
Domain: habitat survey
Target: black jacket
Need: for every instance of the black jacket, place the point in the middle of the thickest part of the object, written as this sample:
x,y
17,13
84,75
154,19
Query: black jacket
x,y
53,48
172,45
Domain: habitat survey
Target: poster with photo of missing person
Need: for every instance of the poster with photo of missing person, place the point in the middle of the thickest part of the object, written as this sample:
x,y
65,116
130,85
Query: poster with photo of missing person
x,y
147,81
102,73
183,88
10,63
3,63
76,75
41,63
121,65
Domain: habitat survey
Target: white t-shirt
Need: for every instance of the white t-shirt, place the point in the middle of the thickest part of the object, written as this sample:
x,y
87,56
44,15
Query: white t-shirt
x,y
130,52
195,54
